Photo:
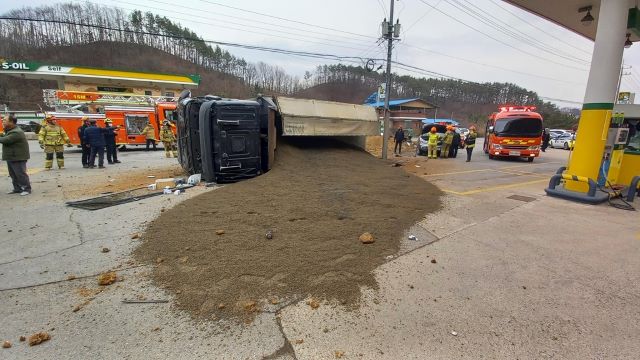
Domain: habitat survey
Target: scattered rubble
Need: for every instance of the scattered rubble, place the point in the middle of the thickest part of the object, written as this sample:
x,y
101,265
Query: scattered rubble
x,y
107,278
105,250
135,236
39,338
299,341
367,238
313,303
433,261
23,338
339,354
219,232
6,344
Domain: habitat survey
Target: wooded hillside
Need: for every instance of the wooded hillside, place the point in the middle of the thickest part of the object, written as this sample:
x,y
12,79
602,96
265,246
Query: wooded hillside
x,y
93,35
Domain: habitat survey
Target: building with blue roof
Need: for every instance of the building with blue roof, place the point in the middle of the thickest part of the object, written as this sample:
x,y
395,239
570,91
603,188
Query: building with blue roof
x,y
407,113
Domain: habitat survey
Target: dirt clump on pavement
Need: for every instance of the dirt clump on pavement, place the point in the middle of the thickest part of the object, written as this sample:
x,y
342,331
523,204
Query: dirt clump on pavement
x,y
316,202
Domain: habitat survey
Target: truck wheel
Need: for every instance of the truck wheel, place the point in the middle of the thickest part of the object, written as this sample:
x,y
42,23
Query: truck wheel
x,y
530,159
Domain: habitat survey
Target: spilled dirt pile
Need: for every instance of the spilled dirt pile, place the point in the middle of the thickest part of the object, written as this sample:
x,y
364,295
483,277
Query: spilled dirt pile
x,y
288,234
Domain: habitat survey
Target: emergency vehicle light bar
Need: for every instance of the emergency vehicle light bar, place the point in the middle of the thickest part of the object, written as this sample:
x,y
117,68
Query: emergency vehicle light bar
x,y
506,108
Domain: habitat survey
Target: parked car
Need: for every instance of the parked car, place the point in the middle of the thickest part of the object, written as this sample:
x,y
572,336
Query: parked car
x,y
565,141
422,148
558,132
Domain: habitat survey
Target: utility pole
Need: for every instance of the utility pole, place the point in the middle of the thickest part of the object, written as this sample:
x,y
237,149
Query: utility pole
x,y
389,32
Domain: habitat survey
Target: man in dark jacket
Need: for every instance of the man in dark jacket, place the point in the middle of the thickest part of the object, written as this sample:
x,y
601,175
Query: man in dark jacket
x,y
399,138
94,137
546,137
453,150
86,149
15,151
110,139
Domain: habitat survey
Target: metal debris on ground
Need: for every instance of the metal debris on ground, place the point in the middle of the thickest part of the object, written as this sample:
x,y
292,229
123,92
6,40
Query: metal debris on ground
x,y
150,301
118,198
521,198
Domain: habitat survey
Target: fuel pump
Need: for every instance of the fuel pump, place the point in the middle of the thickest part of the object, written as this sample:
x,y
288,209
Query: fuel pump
x,y
617,137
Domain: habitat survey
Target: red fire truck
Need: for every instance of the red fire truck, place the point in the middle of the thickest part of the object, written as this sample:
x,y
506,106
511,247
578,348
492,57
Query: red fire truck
x,y
514,131
128,111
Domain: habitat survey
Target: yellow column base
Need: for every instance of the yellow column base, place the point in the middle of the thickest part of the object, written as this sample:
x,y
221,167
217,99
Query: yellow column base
x,y
589,147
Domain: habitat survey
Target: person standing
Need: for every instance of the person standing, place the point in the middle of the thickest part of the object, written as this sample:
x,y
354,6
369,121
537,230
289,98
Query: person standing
x,y
168,140
86,149
15,151
455,144
399,138
52,137
470,141
150,135
447,141
546,137
94,137
432,143
110,141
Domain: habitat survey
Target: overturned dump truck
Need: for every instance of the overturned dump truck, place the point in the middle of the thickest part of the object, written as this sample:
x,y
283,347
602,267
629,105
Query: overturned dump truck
x,y
227,140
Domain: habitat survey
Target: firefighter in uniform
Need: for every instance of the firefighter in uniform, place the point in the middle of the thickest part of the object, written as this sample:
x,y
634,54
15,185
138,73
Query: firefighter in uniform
x,y
432,143
470,141
447,140
52,137
168,140
150,135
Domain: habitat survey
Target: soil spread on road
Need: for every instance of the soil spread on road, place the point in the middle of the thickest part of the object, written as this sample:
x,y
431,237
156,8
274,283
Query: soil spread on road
x,y
214,254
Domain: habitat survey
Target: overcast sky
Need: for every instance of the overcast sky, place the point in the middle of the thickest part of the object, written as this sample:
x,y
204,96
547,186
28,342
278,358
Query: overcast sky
x,y
445,40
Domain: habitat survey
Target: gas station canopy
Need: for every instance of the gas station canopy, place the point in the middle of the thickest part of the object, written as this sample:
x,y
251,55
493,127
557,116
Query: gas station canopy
x,y
88,75
566,13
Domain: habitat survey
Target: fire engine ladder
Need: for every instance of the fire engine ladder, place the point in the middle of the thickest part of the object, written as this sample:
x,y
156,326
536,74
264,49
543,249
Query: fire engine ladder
x,y
55,98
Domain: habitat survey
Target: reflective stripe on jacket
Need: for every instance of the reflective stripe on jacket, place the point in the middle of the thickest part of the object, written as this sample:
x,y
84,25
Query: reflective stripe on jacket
x,y
433,139
470,141
166,136
149,132
448,138
53,135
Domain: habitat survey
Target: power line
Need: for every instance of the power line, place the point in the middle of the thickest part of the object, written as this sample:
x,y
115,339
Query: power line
x,y
222,43
528,22
384,10
284,19
492,66
252,21
535,56
515,34
324,56
361,47
420,18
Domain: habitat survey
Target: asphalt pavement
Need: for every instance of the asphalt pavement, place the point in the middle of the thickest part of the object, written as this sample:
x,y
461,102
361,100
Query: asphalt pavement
x,y
501,271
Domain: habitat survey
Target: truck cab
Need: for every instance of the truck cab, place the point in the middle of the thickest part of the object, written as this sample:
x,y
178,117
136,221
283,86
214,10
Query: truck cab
x,y
514,131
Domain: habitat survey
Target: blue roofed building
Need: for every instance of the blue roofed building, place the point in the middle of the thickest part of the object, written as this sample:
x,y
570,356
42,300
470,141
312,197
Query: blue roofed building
x,y
406,113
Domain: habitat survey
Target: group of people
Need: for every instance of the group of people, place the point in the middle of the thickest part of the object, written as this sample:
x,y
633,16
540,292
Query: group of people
x,y
451,142
52,137
94,140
